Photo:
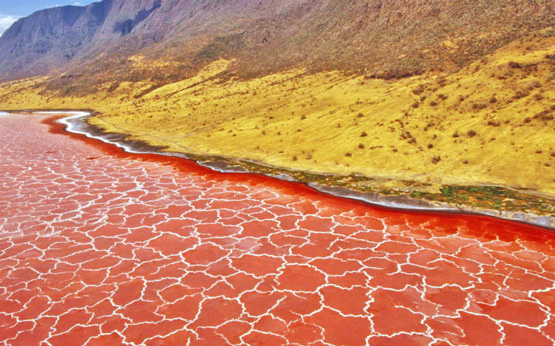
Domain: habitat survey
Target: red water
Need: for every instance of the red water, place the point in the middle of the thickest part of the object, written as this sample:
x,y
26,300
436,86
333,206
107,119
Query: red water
x,y
99,247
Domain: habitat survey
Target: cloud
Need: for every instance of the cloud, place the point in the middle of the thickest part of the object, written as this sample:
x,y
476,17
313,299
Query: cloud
x,y
6,21
76,3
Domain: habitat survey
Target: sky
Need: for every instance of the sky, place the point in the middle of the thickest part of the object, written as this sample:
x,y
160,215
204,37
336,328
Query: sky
x,y
11,10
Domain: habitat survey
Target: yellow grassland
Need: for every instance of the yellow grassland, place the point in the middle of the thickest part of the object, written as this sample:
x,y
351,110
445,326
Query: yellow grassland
x,y
489,123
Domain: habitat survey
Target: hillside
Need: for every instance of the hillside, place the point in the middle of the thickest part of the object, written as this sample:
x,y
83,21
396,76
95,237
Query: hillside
x,y
388,39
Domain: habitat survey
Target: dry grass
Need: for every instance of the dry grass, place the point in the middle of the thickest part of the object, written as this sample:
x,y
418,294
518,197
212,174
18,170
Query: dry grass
x,y
490,123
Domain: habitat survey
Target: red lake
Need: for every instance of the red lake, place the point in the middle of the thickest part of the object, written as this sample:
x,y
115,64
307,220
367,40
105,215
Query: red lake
x,y
102,247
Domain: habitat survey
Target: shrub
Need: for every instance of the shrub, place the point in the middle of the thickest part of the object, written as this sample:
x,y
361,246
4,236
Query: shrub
x,y
545,115
535,85
514,64
478,106
418,90
520,94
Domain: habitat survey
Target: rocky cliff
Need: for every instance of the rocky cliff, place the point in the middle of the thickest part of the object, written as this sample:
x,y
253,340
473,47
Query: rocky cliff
x,y
49,39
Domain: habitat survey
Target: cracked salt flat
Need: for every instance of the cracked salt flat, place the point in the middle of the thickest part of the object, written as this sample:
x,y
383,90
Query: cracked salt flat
x,y
100,248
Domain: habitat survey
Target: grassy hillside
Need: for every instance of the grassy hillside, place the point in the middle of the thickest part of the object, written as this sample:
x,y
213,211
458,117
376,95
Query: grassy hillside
x,y
491,122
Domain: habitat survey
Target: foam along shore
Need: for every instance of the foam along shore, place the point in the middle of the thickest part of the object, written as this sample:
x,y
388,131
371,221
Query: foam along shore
x,y
77,122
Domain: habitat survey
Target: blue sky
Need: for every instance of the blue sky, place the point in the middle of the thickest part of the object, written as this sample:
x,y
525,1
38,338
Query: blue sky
x,y
11,10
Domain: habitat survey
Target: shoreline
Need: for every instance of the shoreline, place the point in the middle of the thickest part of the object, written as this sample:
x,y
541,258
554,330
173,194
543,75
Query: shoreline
x,y
75,122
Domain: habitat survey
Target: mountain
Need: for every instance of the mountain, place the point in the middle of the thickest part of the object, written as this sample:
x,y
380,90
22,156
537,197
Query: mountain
x,y
389,39
49,39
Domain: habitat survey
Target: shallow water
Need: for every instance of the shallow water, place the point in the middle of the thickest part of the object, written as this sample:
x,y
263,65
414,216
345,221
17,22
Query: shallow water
x,y
102,247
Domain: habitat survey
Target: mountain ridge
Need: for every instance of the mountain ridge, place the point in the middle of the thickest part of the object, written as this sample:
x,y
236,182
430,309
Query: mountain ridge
x,y
391,39
48,39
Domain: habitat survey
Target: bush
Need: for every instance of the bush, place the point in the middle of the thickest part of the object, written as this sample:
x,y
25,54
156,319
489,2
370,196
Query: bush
x,y
535,85
418,91
403,68
514,64
520,94
545,115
